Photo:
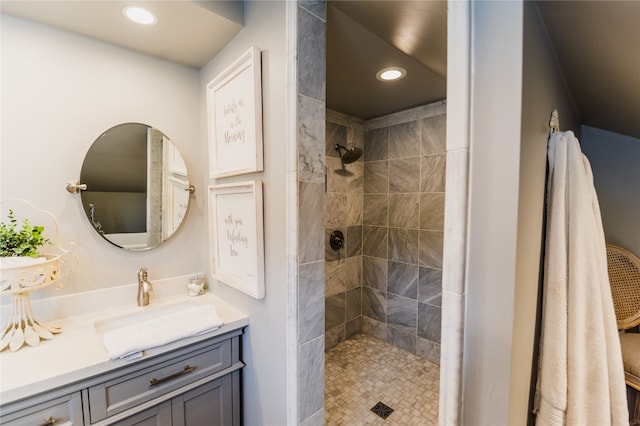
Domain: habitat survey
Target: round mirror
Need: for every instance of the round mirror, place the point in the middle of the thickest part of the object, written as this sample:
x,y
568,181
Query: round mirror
x,y
137,186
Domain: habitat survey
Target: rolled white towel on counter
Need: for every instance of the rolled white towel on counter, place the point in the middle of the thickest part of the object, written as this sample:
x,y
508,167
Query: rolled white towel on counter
x,y
127,341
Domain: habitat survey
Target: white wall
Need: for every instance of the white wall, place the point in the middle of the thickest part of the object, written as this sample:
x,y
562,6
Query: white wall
x,y
543,89
264,343
493,202
615,161
60,91
515,84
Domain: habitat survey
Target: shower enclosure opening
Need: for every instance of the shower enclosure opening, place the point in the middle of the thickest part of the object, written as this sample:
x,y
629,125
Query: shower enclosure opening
x,y
383,285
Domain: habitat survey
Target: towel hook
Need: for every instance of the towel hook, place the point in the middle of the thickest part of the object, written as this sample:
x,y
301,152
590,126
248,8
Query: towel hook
x,y
554,122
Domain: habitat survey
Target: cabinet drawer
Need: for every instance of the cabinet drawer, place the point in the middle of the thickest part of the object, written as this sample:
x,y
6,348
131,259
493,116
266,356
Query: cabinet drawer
x,y
66,410
129,390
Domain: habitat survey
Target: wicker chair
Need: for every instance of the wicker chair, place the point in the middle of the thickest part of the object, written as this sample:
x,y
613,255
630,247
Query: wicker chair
x,y
624,276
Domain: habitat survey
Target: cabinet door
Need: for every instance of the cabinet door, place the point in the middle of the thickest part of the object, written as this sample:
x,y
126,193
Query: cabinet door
x,y
160,415
66,410
211,404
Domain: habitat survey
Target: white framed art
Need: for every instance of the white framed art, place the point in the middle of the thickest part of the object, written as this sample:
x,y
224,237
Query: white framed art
x,y
234,108
236,236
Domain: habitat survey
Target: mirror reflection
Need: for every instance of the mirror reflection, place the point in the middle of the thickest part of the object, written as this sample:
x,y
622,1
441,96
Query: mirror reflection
x,y
137,186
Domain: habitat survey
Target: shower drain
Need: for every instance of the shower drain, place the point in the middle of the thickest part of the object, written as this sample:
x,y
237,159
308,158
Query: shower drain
x,y
382,410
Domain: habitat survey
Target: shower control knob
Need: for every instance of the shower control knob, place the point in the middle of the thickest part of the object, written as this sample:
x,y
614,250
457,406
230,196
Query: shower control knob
x,y
336,240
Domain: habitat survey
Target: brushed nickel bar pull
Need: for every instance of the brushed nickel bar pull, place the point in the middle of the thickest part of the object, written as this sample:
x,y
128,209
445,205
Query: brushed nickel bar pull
x,y
49,421
187,369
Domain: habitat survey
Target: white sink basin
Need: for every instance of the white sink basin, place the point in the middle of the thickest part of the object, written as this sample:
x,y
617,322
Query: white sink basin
x,y
139,315
137,329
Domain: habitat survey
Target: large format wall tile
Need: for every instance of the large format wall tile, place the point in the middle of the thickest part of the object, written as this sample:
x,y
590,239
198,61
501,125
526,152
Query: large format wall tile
x,y
372,327
354,176
335,210
311,170
334,310
311,298
404,210
430,285
432,211
429,320
354,241
354,326
311,136
353,301
336,176
405,159
403,175
404,140
402,339
311,377
316,7
353,272
311,235
402,313
335,277
374,241
376,144
403,245
431,249
344,267
354,208
316,419
375,209
334,336
311,56
336,134
434,132
374,304
403,279
428,349
374,273
355,135
376,177
432,173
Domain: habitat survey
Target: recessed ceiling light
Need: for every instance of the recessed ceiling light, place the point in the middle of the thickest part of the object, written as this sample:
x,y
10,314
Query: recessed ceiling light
x,y
390,74
139,15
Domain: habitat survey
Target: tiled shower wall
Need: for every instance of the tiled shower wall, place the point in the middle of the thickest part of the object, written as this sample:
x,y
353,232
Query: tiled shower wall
x,y
403,228
387,281
343,212
310,19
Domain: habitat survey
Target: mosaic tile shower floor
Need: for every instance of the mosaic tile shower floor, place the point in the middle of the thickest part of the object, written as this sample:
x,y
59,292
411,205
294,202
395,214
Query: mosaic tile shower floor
x,y
362,371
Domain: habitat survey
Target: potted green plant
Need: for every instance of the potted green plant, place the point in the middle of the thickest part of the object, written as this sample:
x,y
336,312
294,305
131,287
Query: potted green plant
x,y
20,243
21,265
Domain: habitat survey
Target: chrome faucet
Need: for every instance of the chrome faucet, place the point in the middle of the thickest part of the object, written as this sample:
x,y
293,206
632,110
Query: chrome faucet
x,y
144,287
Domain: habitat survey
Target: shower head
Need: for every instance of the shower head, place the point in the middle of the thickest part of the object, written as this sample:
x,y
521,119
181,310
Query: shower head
x,y
350,155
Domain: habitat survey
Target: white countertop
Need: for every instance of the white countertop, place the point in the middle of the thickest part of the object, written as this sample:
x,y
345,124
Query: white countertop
x,y
78,353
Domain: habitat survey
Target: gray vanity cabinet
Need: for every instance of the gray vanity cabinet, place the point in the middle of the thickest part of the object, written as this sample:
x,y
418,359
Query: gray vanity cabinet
x,y
63,410
194,385
160,415
215,403
210,404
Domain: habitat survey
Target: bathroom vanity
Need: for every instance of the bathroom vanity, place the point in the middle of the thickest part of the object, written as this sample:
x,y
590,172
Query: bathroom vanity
x,y
70,380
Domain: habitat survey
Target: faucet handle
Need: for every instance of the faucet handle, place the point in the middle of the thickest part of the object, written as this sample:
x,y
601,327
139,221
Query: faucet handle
x,y
142,274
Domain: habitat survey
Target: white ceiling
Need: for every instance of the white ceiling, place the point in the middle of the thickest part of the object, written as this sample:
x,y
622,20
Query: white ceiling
x,y
597,44
187,32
